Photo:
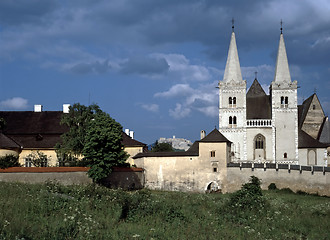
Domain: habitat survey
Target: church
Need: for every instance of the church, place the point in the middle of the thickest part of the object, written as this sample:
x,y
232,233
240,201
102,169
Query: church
x,y
270,128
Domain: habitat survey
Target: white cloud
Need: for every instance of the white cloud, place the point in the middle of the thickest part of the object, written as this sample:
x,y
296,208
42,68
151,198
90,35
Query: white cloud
x,y
180,111
180,68
175,91
150,107
211,111
14,103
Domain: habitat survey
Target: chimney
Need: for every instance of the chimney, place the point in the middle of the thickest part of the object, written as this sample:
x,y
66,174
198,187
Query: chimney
x,y
66,108
127,131
37,108
203,134
131,134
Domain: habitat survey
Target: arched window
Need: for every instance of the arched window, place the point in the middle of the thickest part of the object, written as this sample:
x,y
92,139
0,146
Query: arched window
x,y
230,101
282,100
234,101
230,120
285,155
234,120
259,142
286,100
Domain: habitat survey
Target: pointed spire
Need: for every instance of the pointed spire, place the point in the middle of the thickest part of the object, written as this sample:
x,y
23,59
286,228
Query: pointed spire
x,y
282,72
233,68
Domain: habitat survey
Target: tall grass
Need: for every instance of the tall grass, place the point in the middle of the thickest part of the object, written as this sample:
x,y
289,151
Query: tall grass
x,y
52,211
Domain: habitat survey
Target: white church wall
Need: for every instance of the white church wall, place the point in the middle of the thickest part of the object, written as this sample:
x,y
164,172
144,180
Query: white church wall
x,y
251,133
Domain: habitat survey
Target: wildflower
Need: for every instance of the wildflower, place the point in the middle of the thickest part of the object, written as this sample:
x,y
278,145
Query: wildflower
x,y
136,235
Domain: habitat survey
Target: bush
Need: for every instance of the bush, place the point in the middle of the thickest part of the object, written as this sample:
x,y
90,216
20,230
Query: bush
x,y
249,197
272,186
9,161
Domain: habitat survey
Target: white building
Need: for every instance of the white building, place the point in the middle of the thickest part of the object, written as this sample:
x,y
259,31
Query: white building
x,y
265,128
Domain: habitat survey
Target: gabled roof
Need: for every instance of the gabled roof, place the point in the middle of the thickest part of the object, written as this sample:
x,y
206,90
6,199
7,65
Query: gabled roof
x,y
306,141
258,103
214,136
129,142
7,143
256,90
303,110
324,135
28,122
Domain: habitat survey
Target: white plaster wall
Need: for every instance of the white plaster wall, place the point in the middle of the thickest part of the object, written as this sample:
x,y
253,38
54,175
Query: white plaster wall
x,y
251,133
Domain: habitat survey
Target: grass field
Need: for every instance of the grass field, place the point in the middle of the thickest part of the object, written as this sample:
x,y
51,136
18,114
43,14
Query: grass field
x,y
52,211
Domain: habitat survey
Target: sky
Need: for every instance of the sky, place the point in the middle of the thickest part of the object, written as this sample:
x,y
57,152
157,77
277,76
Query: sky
x,y
154,65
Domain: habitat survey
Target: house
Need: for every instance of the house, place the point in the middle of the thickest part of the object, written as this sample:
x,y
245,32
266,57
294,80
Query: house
x,y
28,131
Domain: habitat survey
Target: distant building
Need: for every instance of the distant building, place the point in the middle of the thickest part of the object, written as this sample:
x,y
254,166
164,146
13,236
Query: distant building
x,y
177,143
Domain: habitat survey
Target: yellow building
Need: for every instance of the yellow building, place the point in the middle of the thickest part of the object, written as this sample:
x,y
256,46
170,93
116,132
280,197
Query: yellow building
x,y
30,131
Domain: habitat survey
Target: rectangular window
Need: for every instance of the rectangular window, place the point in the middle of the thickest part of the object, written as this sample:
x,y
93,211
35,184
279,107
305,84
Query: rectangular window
x,y
215,169
28,162
212,153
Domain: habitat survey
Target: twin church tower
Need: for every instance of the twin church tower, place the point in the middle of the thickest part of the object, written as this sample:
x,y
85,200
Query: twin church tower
x,y
262,128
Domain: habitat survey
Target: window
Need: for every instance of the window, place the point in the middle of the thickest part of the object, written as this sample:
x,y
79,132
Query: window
x,y
232,121
284,102
314,107
232,102
215,169
28,162
212,153
285,155
259,142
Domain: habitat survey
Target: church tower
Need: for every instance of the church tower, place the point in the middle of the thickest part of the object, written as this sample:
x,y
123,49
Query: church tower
x,y
232,103
284,110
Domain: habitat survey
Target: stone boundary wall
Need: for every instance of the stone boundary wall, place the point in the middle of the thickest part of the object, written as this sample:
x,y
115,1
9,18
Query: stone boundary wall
x,y
310,179
128,178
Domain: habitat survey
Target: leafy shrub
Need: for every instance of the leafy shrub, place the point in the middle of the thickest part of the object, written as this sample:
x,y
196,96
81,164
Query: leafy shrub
x,y
286,190
249,197
9,161
272,186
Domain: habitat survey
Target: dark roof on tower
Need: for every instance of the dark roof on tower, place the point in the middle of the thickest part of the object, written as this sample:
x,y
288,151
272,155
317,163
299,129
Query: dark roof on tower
x,y
258,103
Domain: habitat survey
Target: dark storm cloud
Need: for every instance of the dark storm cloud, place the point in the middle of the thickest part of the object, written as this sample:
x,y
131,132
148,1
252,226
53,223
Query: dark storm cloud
x,y
21,11
95,67
145,66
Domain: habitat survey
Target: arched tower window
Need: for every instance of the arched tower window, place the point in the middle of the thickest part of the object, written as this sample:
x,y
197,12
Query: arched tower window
x,y
259,147
232,102
285,155
230,121
234,120
284,102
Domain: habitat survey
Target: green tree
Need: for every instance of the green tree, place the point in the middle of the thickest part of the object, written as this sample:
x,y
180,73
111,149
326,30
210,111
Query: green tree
x,y
103,148
162,147
77,120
